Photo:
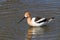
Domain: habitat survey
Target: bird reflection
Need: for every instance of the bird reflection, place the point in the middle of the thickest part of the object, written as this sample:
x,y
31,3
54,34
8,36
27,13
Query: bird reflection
x,y
33,32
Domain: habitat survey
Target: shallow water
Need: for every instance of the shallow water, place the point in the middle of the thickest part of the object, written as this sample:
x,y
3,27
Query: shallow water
x,y
12,11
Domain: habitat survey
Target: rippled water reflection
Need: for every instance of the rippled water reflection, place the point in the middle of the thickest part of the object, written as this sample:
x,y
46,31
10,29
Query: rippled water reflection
x,y
13,10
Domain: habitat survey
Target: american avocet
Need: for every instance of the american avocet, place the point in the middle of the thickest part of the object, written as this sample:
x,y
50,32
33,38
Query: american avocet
x,y
36,21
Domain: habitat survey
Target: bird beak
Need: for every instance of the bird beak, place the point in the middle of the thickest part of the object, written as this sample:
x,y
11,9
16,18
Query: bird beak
x,y
21,20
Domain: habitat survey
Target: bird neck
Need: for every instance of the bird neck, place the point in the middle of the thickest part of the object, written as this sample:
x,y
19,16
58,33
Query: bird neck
x,y
29,20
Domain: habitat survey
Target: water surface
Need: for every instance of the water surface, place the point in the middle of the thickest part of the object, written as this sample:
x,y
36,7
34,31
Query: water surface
x,y
12,11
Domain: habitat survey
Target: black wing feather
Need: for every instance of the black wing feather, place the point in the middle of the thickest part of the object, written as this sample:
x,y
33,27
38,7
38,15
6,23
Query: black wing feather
x,y
42,21
37,18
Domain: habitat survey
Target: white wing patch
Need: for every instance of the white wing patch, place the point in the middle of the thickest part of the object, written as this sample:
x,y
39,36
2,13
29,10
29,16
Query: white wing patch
x,y
33,19
40,19
34,23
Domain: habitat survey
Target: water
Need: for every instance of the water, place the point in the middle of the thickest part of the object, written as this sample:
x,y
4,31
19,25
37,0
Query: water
x,y
13,10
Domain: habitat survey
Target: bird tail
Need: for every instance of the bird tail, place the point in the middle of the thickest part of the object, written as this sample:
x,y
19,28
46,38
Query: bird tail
x,y
51,18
